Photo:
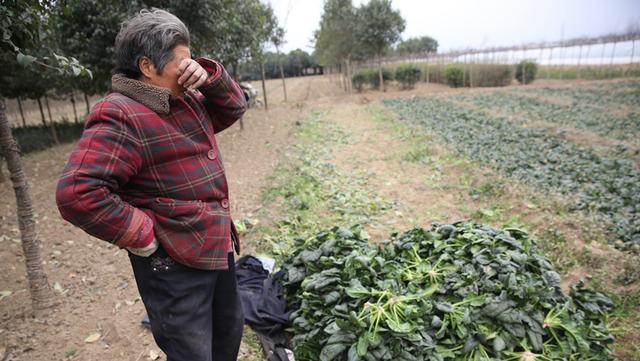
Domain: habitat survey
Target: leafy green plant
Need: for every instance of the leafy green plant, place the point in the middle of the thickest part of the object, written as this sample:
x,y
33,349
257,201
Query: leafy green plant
x,y
526,71
38,137
359,79
488,75
454,75
408,76
588,72
374,78
370,77
461,291
604,187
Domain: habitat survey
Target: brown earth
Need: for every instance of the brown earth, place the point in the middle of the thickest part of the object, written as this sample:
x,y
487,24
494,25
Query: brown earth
x,y
96,292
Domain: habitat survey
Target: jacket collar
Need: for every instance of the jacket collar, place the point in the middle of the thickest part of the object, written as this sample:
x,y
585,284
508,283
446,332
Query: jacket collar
x,y
155,98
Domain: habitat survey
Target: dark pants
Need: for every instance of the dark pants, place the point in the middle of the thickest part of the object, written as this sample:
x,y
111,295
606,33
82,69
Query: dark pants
x,y
195,315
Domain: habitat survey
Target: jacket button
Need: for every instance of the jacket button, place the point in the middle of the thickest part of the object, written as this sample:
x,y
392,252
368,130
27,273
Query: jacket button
x,y
224,203
211,154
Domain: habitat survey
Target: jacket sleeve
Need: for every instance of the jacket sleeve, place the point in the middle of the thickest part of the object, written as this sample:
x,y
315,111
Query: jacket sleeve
x,y
102,162
222,96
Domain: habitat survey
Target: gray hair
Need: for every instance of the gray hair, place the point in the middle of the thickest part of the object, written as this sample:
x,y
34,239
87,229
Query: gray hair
x,y
151,33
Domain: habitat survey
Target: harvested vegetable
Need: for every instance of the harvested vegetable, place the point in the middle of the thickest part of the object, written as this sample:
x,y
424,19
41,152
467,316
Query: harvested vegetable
x,y
453,292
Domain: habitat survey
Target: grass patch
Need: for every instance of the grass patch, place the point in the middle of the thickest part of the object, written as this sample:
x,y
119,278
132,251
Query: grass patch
x,y
311,193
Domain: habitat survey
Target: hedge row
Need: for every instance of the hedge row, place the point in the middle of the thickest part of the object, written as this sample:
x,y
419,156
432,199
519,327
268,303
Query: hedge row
x,y
478,75
34,138
454,75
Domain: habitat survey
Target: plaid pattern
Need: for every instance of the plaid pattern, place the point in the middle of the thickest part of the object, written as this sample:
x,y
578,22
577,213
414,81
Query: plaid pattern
x,y
133,164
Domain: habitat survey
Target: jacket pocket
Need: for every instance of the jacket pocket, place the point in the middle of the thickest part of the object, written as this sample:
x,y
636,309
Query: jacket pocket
x,y
179,215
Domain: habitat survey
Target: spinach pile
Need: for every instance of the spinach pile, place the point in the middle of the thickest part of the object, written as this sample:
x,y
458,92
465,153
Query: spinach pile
x,y
453,292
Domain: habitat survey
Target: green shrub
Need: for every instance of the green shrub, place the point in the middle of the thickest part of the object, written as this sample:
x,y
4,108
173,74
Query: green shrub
x,y
359,79
484,75
526,71
454,75
374,77
34,138
588,72
434,73
408,76
371,77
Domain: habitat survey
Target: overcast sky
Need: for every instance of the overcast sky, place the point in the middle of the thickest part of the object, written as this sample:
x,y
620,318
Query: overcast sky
x,y
458,24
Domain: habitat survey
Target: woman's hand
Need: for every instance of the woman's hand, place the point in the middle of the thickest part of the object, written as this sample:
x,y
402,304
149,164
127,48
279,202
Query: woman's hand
x,y
191,74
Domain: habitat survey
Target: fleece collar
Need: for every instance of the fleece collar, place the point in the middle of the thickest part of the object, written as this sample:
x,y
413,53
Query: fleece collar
x,y
155,98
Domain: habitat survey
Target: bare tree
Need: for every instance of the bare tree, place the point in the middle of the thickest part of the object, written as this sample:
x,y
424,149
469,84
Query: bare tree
x,y
41,295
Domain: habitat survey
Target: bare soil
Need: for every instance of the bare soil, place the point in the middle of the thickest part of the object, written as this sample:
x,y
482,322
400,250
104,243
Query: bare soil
x,y
95,289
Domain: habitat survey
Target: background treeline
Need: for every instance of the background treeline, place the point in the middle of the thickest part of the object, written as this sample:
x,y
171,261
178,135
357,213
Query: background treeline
x,y
233,31
296,63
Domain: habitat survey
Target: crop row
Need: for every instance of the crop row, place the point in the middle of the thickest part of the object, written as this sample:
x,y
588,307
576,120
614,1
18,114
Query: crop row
x,y
588,110
604,187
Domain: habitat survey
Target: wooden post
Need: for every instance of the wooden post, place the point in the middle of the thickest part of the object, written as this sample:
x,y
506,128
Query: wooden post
x,y
471,72
381,78
426,75
264,87
44,122
633,50
86,102
613,53
524,73
349,75
24,122
550,62
75,112
284,86
2,177
602,71
54,134
41,295
464,70
540,56
579,55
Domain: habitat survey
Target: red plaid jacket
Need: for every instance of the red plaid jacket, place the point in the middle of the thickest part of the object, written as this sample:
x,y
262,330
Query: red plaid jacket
x,y
147,156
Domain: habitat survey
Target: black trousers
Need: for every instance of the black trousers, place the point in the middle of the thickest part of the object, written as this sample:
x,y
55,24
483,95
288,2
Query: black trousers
x,y
195,315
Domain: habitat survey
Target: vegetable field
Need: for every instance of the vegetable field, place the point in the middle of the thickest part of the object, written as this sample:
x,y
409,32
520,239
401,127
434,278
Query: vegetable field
x,y
376,270
504,130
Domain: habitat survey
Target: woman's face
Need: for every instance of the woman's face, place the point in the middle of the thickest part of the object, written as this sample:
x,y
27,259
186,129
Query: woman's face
x,y
168,78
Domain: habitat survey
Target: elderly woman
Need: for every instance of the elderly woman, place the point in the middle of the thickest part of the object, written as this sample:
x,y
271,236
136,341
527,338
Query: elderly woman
x,y
147,176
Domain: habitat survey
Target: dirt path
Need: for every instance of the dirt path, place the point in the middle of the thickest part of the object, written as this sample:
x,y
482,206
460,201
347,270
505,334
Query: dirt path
x,y
96,290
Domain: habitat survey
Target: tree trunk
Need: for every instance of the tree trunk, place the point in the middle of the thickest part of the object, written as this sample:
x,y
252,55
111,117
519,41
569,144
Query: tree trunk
x,y
471,74
343,77
349,76
75,112
54,134
86,102
44,122
381,78
2,178
264,87
24,122
284,86
41,295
